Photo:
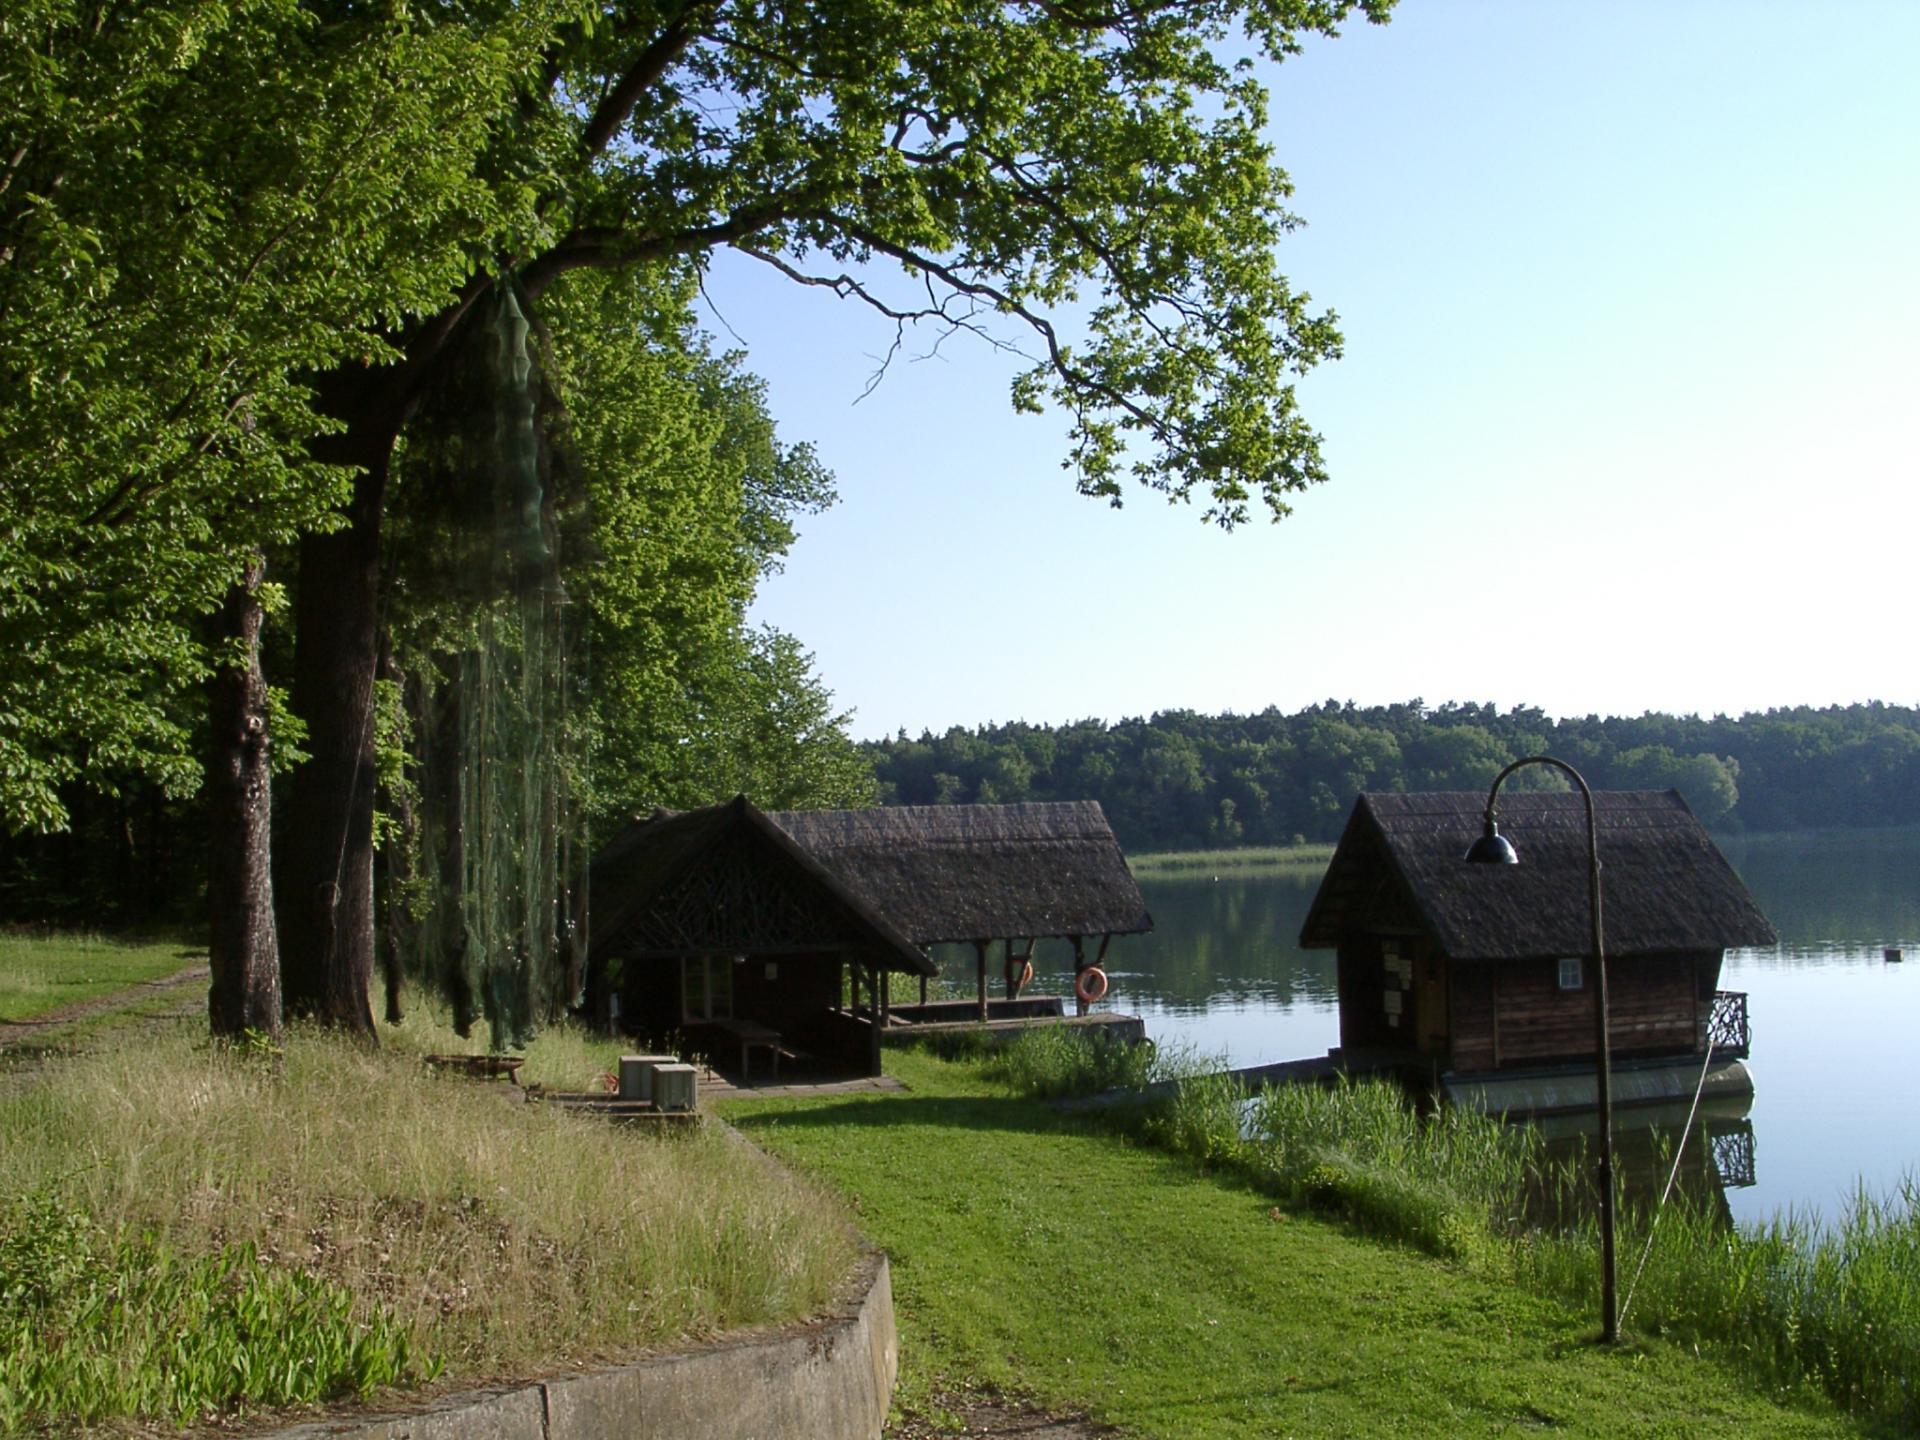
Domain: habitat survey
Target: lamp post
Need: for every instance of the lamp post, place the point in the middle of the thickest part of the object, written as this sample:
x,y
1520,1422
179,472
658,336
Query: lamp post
x,y
1493,848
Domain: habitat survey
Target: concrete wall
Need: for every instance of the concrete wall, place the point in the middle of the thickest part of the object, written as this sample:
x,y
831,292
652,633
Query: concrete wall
x,y
826,1379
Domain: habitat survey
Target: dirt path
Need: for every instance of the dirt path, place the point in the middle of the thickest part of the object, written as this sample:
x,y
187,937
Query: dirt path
x,y
986,1416
25,1034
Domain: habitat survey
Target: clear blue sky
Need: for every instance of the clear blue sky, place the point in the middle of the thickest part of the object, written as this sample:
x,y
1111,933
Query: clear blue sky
x,y
1627,418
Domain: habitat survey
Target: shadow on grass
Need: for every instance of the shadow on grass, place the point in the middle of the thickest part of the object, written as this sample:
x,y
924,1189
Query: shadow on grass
x,y
896,1112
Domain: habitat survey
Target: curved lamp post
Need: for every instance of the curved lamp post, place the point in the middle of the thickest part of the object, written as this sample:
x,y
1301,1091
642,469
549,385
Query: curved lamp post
x,y
1493,848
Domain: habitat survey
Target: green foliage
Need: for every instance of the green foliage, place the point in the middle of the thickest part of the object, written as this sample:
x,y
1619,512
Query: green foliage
x,y
694,500
94,1326
176,263
1181,781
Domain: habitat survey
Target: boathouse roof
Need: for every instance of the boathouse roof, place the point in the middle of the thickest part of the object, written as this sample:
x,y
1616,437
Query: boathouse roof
x,y
726,879
979,872
1665,886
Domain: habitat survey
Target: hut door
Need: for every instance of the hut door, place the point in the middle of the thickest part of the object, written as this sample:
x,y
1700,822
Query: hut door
x,y
1430,1004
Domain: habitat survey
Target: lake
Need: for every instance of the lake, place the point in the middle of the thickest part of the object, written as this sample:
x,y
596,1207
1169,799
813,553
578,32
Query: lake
x,y
1833,1024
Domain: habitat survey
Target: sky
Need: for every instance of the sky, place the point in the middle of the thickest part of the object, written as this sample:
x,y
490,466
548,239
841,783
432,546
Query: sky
x,y
1626,419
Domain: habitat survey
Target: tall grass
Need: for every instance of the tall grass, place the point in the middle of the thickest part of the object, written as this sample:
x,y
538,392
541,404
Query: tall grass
x,y
1056,1061
499,1237
1794,1302
1450,1183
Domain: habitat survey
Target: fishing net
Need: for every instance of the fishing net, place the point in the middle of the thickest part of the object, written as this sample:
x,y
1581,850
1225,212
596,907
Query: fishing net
x,y
486,865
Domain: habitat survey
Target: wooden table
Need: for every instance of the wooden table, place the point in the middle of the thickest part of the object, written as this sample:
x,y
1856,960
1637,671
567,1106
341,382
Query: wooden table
x,y
751,1036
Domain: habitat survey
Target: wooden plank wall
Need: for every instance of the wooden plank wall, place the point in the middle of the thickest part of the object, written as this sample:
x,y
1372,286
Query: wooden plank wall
x,y
1652,1006
1473,1047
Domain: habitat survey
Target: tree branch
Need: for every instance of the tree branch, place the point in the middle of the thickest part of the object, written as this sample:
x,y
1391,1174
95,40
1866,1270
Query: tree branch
x,y
645,72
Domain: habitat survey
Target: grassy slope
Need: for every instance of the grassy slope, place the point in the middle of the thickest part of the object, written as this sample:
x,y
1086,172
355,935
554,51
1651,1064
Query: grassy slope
x,y
506,1238
1033,1254
38,975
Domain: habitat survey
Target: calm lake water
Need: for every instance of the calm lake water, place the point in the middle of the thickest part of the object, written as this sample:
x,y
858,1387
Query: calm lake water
x,y
1834,1025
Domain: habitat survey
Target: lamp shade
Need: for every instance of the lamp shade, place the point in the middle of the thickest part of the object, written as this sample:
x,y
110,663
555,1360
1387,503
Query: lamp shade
x,y
1492,848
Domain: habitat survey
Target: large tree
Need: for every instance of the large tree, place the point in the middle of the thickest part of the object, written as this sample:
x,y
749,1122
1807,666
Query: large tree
x,y
203,203
1088,183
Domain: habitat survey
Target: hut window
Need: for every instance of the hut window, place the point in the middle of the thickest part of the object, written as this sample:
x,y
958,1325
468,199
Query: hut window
x,y
1570,973
706,987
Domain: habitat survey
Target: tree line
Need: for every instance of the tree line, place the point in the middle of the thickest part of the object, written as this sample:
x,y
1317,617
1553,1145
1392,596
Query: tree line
x,y
1180,780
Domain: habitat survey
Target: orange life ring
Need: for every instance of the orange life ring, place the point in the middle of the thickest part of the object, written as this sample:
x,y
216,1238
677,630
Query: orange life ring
x,y
1017,979
1090,984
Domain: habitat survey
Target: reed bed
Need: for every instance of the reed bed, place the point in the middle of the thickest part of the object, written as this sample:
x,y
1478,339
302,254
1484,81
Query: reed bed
x,y
1794,1302
497,1238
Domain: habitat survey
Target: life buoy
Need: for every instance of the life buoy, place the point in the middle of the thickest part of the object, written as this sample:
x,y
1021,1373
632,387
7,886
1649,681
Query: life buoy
x,y
1017,972
1090,984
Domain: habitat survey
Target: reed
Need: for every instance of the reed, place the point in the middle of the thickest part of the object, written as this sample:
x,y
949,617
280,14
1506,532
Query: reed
x,y
1795,1303
1058,1061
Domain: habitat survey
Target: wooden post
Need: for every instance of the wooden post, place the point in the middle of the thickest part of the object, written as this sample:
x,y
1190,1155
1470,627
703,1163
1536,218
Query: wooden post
x,y
1079,964
886,995
980,977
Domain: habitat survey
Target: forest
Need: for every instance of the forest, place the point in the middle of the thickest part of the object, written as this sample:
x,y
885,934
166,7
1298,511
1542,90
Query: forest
x,y
1180,780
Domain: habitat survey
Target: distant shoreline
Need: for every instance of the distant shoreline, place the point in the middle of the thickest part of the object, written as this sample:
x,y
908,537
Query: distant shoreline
x,y
1250,857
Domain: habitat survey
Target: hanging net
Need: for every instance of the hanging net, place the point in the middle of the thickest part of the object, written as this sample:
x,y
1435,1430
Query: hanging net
x,y
486,879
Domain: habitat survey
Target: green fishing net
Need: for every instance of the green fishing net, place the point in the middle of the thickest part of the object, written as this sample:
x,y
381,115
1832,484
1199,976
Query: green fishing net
x,y
486,866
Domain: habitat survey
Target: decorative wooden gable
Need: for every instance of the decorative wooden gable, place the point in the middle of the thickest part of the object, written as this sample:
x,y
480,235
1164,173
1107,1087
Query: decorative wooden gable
x,y
739,894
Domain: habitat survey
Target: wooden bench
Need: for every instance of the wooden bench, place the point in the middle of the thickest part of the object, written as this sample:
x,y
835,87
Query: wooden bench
x,y
480,1067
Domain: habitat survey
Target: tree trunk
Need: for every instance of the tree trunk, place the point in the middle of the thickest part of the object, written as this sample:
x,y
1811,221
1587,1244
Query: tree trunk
x,y
245,994
326,860
325,864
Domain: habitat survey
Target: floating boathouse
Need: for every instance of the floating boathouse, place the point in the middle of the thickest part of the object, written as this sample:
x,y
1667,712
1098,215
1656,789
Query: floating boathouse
x,y
1477,977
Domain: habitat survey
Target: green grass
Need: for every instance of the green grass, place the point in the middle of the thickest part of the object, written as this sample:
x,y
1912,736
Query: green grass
x,y
1220,862
39,974
1041,1253
1791,1302
494,1238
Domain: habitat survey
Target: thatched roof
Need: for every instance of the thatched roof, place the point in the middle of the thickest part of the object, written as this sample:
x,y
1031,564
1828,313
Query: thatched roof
x,y
1665,886
727,879
980,872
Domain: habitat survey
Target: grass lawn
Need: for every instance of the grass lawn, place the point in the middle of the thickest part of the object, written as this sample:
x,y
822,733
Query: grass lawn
x,y
1035,1254
38,975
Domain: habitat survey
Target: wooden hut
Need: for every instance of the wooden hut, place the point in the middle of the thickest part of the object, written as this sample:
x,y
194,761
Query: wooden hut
x,y
732,927
1479,974
715,927
984,874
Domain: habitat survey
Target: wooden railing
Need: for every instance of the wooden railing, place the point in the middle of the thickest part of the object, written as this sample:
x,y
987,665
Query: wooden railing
x,y
1728,1033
